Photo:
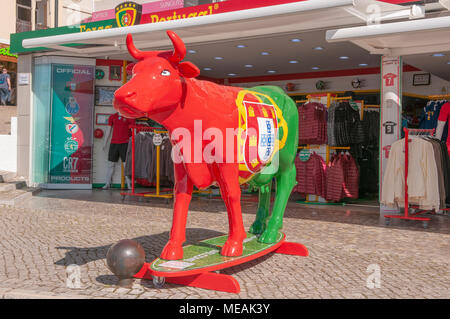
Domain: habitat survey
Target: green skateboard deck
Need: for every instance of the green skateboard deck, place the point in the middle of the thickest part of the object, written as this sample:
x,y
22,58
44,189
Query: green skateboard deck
x,y
205,256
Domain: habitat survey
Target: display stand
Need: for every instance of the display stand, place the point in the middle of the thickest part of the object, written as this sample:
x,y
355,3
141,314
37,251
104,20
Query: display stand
x,y
158,193
407,215
209,277
136,129
325,150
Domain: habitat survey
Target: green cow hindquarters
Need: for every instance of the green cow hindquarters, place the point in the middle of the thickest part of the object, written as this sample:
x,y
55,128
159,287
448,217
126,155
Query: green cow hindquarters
x,y
282,168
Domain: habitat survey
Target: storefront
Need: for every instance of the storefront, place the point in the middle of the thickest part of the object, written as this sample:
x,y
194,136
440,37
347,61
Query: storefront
x,y
9,61
305,47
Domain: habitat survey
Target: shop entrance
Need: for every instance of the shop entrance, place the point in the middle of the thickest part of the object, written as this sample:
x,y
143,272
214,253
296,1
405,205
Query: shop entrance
x,y
295,56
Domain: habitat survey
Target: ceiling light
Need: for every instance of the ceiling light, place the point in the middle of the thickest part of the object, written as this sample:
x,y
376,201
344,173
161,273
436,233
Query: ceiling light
x,y
293,61
192,51
240,46
218,58
249,65
265,53
207,69
232,74
363,64
344,57
315,68
296,40
318,48
439,54
271,71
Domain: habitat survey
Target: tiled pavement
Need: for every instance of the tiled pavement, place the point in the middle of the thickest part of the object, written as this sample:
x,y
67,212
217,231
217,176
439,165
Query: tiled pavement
x,y
41,236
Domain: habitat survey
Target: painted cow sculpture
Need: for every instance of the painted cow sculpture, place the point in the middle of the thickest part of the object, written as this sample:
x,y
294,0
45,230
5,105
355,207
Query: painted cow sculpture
x,y
264,125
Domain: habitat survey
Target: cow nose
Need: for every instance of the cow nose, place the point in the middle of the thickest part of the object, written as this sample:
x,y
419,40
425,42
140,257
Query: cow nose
x,y
123,95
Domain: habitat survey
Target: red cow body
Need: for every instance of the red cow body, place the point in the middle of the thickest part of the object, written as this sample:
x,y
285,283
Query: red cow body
x,y
165,89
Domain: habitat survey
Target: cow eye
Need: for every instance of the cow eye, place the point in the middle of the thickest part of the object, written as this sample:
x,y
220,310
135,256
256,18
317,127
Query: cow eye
x,y
165,73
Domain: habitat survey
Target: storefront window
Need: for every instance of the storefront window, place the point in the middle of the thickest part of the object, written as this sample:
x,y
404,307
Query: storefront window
x,y
41,121
23,22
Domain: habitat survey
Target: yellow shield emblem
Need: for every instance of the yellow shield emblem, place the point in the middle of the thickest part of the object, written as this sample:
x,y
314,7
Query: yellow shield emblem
x,y
128,14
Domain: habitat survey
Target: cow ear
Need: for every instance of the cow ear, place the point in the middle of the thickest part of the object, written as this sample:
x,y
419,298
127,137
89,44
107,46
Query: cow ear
x,y
188,70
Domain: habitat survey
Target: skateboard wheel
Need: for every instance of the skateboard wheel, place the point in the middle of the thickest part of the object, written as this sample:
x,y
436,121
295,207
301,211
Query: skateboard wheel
x,y
158,282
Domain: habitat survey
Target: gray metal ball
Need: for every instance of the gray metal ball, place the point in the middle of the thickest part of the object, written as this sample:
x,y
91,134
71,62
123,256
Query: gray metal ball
x,y
125,259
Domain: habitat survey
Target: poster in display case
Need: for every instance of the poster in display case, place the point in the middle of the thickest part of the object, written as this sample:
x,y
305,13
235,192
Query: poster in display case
x,y
104,95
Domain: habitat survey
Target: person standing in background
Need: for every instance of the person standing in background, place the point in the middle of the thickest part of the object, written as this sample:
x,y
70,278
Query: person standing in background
x,y
5,86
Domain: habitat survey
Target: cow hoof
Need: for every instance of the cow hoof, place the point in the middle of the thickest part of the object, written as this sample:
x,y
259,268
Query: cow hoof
x,y
172,252
268,236
257,228
232,248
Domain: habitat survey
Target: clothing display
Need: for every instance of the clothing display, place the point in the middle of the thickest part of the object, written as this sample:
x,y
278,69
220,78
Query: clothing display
x,y
312,123
430,114
347,126
342,178
116,151
338,180
371,126
369,168
428,174
145,159
121,130
311,178
368,159
444,116
330,124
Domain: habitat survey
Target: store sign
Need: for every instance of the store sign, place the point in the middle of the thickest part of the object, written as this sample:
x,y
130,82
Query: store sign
x,y
173,10
5,52
147,8
23,78
391,110
208,9
71,124
128,14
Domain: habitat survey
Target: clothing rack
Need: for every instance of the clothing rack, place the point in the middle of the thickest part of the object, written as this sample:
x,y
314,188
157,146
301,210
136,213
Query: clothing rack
x,y
142,128
439,97
327,150
368,106
406,214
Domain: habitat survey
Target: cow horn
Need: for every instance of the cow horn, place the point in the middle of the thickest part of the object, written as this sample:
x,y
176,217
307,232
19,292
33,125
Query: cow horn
x,y
135,52
179,51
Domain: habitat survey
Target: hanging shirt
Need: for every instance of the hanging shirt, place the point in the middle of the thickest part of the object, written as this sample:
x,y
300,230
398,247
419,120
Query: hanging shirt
x,y
444,115
430,114
120,127
423,185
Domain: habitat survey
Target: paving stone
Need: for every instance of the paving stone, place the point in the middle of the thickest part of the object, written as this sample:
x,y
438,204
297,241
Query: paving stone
x,y
40,237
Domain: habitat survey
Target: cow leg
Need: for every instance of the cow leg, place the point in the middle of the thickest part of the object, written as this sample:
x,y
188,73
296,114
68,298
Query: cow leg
x,y
228,179
259,225
183,194
285,183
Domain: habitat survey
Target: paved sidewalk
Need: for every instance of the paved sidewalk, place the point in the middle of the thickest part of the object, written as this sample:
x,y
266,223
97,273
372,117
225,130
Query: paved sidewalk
x,y
40,237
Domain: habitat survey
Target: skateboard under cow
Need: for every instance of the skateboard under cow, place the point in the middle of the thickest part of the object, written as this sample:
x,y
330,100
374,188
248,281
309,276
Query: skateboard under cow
x,y
202,261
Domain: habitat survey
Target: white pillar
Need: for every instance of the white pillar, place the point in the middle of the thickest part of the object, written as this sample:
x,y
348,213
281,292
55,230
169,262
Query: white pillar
x,y
391,113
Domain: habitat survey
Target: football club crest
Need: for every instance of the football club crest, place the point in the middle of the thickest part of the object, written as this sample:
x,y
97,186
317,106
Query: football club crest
x,y
70,145
128,14
72,128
